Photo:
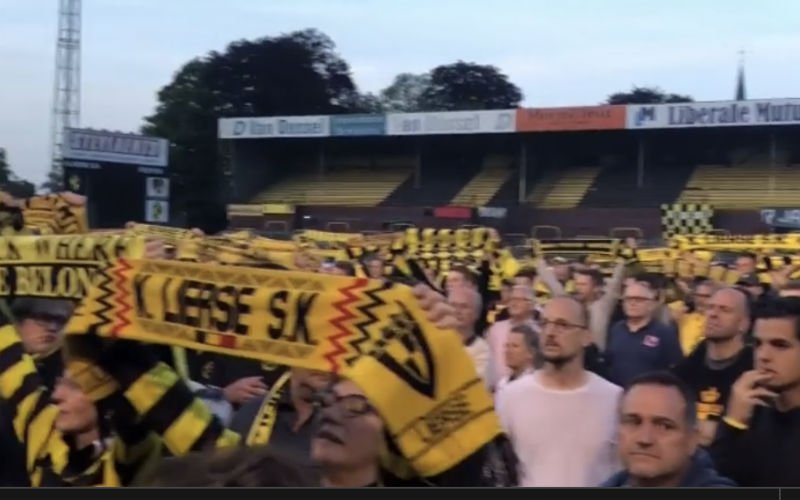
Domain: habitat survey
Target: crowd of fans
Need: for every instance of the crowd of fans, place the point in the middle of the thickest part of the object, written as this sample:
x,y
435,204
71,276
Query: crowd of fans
x,y
612,379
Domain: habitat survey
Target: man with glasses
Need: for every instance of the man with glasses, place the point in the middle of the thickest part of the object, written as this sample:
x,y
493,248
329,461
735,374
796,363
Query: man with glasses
x,y
640,344
562,419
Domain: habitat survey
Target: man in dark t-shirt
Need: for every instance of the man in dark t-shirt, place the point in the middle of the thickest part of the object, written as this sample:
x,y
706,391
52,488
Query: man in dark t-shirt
x,y
719,360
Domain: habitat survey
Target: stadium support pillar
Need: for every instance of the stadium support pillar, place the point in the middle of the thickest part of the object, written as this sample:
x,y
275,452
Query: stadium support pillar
x,y
773,150
321,163
640,159
418,164
523,171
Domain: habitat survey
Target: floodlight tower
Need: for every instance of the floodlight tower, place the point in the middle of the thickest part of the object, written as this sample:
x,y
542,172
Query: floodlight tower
x,y
67,82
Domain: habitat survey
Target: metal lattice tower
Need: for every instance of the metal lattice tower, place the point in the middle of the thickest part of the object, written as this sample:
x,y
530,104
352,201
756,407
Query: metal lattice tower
x,y
67,81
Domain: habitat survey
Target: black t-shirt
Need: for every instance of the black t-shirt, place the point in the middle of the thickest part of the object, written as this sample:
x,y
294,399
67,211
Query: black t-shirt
x,y
712,387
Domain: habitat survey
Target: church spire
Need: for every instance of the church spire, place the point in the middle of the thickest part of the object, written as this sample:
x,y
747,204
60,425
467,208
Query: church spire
x,y
741,92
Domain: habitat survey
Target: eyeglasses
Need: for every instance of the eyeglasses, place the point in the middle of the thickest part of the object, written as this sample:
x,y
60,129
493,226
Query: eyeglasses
x,y
560,325
353,405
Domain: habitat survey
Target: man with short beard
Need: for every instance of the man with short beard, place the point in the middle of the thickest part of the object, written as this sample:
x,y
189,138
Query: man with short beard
x,y
758,443
718,361
562,419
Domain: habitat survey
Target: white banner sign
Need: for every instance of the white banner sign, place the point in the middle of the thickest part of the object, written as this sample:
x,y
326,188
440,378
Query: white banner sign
x,y
452,122
156,211
114,147
274,126
157,187
715,114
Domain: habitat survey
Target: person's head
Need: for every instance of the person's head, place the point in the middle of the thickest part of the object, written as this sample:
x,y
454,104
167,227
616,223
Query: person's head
x,y
521,302
375,267
234,466
562,269
466,302
588,284
459,276
658,433
77,413
745,263
525,277
521,347
40,323
701,294
304,383
639,301
343,268
505,291
791,289
349,436
727,315
777,343
565,332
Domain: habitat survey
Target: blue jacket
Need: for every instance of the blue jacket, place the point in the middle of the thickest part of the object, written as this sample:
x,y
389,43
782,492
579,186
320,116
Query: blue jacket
x,y
701,474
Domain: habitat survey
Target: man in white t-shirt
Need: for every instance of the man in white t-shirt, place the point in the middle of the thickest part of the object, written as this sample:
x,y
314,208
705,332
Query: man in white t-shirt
x,y
562,419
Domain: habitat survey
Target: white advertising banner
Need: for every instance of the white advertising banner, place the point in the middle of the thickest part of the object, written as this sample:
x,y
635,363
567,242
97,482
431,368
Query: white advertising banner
x,y
452,122
114,147
274,127
757,112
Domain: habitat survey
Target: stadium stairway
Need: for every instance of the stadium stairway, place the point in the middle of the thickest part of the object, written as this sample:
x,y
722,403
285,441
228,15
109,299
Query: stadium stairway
x,y
353,186
563,189
439,184
743,186
479,191
616,187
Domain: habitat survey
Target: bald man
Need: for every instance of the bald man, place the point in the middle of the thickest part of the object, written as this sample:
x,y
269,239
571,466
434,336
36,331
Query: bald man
x,y
562,419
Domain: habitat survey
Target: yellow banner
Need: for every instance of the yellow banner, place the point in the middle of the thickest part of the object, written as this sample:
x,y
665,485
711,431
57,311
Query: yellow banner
x,y
59,266
170,235
741,243
420,379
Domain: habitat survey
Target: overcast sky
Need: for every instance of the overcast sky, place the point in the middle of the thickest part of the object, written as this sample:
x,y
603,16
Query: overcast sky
x,y
560,52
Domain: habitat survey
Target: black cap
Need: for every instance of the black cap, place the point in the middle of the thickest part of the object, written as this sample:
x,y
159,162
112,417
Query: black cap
x,y
25,307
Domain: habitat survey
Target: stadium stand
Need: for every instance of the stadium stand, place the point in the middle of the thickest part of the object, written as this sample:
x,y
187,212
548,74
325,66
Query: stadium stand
x,y
442,179
748,186
359,185
484,186
563,189
617,186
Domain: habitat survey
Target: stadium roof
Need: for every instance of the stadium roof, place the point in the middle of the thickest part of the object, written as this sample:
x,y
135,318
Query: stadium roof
x,y
754,112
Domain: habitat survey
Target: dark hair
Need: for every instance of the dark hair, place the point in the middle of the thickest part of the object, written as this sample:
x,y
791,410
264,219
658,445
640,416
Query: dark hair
x,y
467,273
531,337
346,267
527,272
780,308
667,379
247,467
593,274
792,285
747,255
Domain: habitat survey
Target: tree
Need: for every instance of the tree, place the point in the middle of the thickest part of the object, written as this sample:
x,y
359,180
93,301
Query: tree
x,y
405,93
646,95
299,73
469,86
11,183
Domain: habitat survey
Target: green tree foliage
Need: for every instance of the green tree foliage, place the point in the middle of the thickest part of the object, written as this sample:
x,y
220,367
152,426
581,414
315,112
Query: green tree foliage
x,y
299,73
646,95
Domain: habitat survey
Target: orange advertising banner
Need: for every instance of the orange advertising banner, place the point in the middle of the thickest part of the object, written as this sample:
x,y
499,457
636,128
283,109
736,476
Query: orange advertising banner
x,y
578,118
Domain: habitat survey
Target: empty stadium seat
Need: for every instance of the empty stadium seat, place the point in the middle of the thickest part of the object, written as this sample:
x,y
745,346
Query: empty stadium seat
x,y
751,186
563,188
362,185
494,172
